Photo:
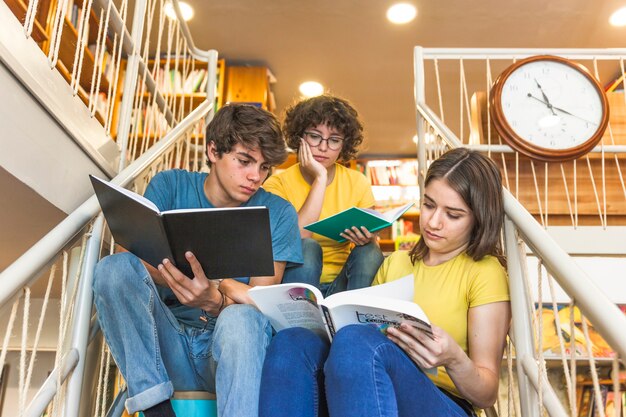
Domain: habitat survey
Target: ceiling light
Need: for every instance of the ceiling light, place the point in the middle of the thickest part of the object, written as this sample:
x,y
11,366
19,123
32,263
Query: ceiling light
x,y
428,138
185,9
618,18
401,13
311,89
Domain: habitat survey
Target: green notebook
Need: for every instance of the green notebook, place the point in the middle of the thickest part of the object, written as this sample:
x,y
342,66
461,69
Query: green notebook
x,y
373,220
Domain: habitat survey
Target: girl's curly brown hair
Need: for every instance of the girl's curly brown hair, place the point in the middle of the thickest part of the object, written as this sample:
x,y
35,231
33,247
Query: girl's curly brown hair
x,y
328,110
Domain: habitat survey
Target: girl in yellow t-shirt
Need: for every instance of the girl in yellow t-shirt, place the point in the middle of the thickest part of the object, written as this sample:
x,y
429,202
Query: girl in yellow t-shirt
x,y
460,283
325,130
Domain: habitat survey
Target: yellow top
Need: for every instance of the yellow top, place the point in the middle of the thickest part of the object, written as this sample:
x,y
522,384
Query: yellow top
x,y
349,188
447,291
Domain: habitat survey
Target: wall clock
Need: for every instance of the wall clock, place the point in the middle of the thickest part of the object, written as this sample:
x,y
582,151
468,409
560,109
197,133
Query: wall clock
x,y
549,108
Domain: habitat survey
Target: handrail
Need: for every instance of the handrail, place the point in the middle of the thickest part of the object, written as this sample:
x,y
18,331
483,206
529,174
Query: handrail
x,y
185,29
49,388
507,149
518,53
42,254
128,45
605,316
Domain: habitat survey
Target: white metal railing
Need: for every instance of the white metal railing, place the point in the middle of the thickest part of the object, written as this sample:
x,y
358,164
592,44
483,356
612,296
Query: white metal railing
x,y
525,238
173,138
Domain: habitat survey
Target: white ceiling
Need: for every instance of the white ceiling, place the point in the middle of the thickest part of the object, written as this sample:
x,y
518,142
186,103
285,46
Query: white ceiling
x,y
351,48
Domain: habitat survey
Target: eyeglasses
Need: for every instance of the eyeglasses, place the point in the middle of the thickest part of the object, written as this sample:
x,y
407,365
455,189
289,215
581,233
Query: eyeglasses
x,y
313,139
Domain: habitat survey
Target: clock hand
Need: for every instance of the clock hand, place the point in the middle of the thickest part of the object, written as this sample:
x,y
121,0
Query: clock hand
x,y
560,109
547,102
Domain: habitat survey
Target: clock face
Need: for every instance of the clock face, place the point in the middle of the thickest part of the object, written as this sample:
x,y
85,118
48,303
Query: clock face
x,y
549,108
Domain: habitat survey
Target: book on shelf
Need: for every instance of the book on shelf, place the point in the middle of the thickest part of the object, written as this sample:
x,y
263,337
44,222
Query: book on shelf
x,y
228,242
395,173
302,305
331,227
574,339
173,81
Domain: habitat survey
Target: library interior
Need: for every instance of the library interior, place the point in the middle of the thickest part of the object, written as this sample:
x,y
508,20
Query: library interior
x,y
123,90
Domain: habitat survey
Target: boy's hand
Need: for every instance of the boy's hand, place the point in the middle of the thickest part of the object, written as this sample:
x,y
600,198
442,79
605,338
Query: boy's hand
x,y
199,292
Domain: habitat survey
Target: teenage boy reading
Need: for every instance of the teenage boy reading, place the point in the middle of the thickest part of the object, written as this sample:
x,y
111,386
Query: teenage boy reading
x,y
324,130
169,332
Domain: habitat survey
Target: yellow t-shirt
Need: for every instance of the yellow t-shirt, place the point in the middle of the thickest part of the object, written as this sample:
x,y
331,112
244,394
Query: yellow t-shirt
x,y
447,291
348,188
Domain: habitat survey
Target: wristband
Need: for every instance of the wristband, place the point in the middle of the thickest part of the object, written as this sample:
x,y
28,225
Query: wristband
x,y
205,316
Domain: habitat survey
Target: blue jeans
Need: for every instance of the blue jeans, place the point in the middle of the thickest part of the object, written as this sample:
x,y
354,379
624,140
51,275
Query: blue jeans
x,y
362,374
358,271
157,355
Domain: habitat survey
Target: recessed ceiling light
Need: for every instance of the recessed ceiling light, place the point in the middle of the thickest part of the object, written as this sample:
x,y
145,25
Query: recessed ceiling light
x,y
618,18
401,13
311,89
185,9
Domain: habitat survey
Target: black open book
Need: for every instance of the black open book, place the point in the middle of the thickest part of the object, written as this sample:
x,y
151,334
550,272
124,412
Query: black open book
x,y
228,242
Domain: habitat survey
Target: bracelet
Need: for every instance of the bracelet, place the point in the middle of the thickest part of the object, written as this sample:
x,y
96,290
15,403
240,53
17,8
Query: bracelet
x,y
205,316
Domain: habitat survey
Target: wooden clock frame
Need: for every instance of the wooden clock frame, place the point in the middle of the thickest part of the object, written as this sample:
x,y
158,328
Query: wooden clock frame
x,y
527,148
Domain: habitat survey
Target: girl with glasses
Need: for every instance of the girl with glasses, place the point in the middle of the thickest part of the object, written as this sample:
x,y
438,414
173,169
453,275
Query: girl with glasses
x,y
325,131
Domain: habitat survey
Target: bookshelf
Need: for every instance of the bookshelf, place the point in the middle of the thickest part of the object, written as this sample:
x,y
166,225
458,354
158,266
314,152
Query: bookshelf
x,y
183,86
250,85
394,183
42,29
610,401
187,81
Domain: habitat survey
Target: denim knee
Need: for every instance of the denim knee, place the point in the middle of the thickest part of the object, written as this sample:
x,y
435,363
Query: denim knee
x,y
118,272
311,248
353,347
311,269
293,346
241,329
369,254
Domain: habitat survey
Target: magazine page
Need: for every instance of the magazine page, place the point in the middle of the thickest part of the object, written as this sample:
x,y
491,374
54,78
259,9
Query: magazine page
x,y
290,305
400,289
353,308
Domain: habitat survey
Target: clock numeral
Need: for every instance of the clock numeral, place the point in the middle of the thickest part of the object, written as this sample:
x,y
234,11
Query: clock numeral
x,y
527,75
553,143
513,87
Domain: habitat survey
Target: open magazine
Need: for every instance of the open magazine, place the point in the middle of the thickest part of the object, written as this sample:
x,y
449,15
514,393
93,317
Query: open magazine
x,y
302,305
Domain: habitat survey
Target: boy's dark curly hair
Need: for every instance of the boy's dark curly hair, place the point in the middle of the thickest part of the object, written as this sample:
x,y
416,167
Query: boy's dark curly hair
x,y
331,111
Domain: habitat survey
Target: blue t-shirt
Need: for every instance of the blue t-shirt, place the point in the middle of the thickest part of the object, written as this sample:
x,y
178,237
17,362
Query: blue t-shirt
x,y
180,189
